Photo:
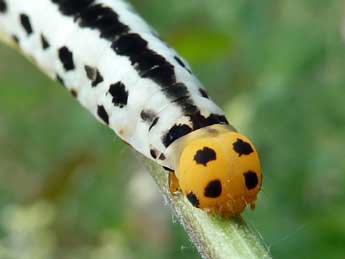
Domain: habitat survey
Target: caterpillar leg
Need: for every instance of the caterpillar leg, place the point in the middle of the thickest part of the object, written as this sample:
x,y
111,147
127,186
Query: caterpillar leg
x,y
174,185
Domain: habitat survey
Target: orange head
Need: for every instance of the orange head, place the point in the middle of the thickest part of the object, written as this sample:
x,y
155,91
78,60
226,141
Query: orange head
x,y
219,171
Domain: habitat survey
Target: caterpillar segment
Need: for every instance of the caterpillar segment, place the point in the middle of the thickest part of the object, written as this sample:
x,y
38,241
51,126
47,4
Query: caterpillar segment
x,y
117,67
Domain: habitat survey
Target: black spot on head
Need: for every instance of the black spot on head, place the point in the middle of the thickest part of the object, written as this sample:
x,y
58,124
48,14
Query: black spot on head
x,y
175,132
193,199
102,113
119,93
242,148
213,189
66,58
251,179
203,93
44,42
60,80
3,6
94,75
205,155
25,21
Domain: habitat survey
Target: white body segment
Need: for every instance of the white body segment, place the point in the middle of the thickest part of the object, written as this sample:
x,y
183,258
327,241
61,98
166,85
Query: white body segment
x,y
116,66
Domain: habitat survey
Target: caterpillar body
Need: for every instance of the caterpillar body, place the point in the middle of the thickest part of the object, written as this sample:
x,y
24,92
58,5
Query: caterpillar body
x,y
116,66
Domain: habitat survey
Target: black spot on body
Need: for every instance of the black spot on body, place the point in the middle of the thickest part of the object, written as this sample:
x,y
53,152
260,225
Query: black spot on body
x,y
15,39
242,148
94,75
200,121
181,63
66,58
44,42
104,19
102,113
213,189
154,123
193,199
162,75
153,153
73,7
148,63
25,22
148,115
251,179
60,80
203,93
119,93
162,157
174,133
74,93
205,155
131,45
3,6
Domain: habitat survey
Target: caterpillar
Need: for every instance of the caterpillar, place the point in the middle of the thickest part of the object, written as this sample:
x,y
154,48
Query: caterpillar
x,y
119,69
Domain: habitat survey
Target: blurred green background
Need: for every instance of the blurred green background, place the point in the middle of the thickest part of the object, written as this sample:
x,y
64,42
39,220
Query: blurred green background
x,y
70,189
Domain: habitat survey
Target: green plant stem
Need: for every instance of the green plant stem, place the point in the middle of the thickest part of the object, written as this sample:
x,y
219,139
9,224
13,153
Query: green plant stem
x,y
214,237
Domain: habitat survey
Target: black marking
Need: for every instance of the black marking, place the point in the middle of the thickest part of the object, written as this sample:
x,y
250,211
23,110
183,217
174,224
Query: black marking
x,y
94,16
168,169
102,18
3,6
205,155
193,199
119,93
162,157
94,75
200,121
213,189
102,113
148,115
130,44
203,93
251,179
74,93
182,64
15,39
44,42
175,132
147,62
25,21
154,122
66,58
60,80
153,153
242,148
